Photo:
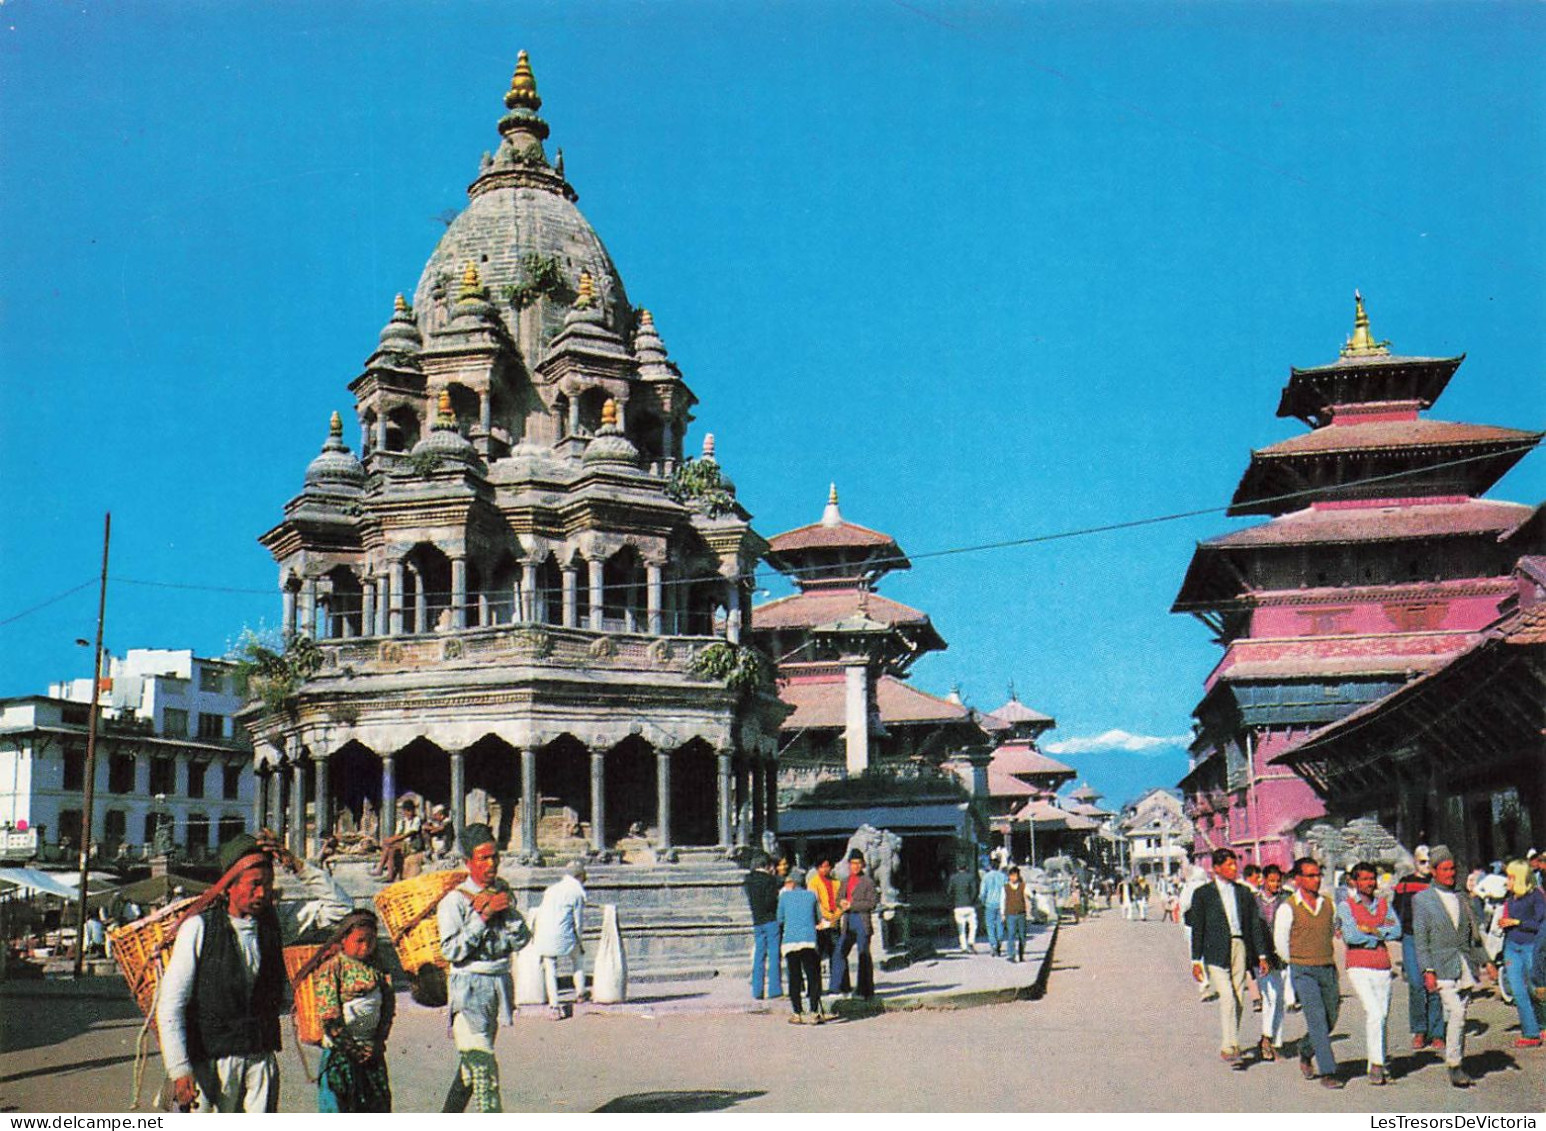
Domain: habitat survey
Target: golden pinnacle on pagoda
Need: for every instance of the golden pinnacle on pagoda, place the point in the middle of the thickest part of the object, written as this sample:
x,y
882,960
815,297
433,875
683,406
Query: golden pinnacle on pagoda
x,y
523,86
444,407
832,495
609,413
708,446
335,426
587,293
646,318
1362,343
400,304
472,284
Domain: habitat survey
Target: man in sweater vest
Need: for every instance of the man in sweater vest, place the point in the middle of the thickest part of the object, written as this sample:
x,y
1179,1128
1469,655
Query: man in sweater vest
x,y
1367,924
1449,953
1302,929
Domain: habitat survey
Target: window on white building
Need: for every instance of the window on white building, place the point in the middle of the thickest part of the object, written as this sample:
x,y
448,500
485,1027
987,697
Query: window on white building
x,y
211,679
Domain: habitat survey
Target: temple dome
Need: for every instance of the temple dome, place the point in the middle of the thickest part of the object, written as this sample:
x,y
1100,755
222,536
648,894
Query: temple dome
x,y
336,467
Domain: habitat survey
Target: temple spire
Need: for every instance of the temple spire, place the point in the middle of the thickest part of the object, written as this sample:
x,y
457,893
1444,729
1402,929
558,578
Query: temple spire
x,y
1362,343
522,126
444,417
831,516
523,86
335,426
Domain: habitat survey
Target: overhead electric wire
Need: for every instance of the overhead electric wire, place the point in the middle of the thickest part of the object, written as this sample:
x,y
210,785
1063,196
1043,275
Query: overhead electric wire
x,y
54,600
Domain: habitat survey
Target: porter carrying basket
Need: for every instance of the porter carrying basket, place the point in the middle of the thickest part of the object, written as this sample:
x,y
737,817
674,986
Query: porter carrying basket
x,y
408,911
143,948
308,1025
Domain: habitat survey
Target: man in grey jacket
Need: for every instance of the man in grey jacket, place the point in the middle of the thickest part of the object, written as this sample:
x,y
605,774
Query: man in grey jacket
x,y
1449,953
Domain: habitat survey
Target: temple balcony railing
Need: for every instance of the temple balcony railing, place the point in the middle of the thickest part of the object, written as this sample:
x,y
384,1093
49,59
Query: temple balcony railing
x,y
548,645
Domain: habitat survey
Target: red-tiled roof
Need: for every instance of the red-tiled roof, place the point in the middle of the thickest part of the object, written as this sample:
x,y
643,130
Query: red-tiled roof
x,y
823,606
1313,667
1379,524
1529,628
1017,712
1027,762
819,535
818,705
1001,784
1392,434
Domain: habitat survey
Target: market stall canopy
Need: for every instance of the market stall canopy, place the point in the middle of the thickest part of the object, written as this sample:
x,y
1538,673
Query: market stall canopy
x,y
30,881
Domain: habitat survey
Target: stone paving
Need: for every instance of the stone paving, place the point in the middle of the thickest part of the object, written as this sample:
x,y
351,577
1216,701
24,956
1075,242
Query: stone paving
x,y
1118,1028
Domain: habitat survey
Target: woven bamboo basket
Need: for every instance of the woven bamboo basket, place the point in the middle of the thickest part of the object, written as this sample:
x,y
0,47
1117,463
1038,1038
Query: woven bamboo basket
x,y
308,1024
408,910
143,948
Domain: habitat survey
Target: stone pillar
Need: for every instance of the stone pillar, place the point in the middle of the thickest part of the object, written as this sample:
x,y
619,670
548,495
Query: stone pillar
x,y
368,608
725,797
663,798
770,802
759,799
420,603
529,800
459,592
598,800
574,416
733,614
295,828
287,623
383,613
276,797
857,715
398,578
309,608
527,592
571,596
654,592
320,805
259,797
458,795
388,812
381,430
594,568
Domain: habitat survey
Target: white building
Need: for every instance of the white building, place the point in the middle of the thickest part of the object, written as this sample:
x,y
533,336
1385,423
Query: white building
x,y
1157,833
166,753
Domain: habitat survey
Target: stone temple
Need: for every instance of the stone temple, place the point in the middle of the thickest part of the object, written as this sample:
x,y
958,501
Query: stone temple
x,y
528,606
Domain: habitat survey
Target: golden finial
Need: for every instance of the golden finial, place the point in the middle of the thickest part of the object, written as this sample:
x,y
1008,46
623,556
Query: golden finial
x,y
609,414
472,284
335,427
646,318
1362,343
708,446
832,495
587,293
523,85
444,406
399,304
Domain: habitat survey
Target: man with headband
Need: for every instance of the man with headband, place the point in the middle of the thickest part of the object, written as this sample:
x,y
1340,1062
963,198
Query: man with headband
x,y
224,986
480,928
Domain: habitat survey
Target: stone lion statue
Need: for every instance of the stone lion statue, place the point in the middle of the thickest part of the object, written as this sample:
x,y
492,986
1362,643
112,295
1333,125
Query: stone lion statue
x,y
882,850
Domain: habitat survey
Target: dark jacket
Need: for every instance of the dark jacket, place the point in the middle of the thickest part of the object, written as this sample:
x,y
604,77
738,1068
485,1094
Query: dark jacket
x,y
962,889
227,1016
1210,926
762,890
1442,944
864,899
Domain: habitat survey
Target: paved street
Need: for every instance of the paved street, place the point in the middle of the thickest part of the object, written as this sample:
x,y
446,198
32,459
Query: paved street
x,y
1119,1028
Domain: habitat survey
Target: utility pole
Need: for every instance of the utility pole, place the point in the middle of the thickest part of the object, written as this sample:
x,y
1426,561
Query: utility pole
x,y
91,757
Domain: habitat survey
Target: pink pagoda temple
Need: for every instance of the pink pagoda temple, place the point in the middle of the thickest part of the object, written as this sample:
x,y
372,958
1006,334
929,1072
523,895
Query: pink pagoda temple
x,y
1380,563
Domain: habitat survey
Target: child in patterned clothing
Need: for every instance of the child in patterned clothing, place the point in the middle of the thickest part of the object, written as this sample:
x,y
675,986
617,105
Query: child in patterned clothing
x,y
356,1006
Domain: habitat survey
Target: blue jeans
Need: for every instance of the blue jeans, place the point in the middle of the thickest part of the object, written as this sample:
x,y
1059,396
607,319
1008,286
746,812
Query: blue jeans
x,y
765,957
1424,1011
1316,989
1014,943
856,933
994,914
1516,972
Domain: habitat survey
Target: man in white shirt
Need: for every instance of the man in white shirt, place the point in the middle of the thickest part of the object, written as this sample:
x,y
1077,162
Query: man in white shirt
x,y
560,921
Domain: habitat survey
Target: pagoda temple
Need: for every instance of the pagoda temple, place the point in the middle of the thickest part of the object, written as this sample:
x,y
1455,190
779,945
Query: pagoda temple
x,y
513,588
861,745
1380,563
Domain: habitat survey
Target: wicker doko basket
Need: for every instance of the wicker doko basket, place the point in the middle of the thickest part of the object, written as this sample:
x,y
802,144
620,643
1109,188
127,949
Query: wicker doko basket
x,y
144,947
308,1025
408,911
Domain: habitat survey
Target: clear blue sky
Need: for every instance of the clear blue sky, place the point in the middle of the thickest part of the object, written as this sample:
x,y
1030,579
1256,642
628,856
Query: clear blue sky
x,y
998,270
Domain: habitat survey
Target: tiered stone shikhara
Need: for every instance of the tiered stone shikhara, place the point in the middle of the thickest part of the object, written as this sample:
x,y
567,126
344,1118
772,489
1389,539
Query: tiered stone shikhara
x,y
1381,562
507,588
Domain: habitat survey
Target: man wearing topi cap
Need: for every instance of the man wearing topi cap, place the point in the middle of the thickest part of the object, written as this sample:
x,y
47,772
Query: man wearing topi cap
x,y
480,928
1424,1011
1449,954
224,987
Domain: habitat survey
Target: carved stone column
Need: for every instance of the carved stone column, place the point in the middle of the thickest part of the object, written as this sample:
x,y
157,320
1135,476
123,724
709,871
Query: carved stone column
x,y
276,796
388,812
368,607
770,803
759,800
295,828
528,592
420,602
459,592
399,577
287,616
571,596
320,804
663,798
458,795
529,801
598,800
654,592
309,607
594,567
725,796
260,775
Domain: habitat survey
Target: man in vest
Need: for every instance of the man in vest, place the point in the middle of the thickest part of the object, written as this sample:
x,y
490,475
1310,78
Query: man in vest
x,y
1424,1011
1226,941
1302,929
224,986
480,928
1449,953
1367,924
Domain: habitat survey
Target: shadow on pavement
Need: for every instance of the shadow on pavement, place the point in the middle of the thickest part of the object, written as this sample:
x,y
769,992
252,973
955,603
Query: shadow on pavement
x,y
52,1069
700,1101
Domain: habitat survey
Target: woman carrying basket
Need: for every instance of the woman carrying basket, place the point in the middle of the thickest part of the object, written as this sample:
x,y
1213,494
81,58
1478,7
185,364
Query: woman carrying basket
x,y
355,1006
